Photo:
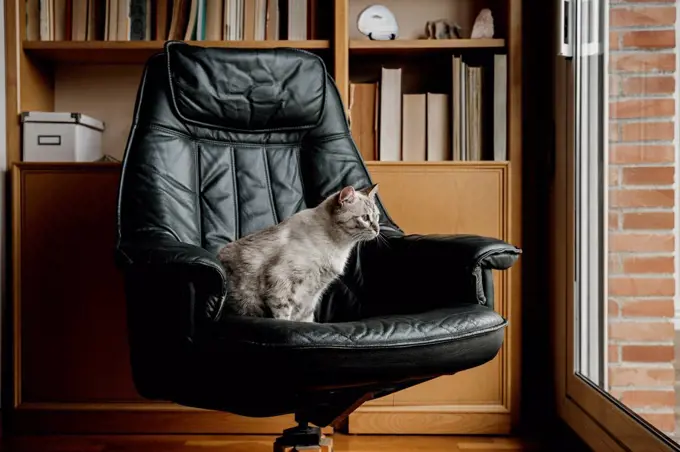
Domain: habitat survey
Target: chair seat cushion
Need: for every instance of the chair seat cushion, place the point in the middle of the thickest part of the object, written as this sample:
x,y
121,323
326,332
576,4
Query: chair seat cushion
x,y
423,329
334,355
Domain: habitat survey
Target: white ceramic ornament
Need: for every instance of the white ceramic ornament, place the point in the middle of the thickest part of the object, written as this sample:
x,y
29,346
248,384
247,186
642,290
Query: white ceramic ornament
x,y
378,23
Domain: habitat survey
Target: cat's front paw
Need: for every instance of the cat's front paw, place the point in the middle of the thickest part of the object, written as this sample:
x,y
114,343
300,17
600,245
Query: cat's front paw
x,y
308,319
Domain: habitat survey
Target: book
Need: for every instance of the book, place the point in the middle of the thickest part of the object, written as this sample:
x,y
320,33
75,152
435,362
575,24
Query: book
x,y
456,111
414,128
500,100
438,136
474,113
389,140
362,118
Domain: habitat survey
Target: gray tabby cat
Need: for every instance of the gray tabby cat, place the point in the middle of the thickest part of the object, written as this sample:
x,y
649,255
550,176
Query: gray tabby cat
x,y
282,271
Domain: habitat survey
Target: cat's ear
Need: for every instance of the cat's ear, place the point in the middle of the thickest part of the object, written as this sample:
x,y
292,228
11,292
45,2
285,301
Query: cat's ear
x,y
346,195
370,191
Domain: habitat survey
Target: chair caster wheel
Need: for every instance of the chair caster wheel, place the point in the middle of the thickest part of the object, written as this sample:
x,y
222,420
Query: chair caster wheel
x,y
325,445
303,438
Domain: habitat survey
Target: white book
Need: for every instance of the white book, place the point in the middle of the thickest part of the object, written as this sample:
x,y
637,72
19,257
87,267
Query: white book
x,y
414,127
390,115
438,134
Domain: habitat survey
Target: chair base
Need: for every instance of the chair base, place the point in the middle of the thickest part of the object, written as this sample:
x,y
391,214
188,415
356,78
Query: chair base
x,y
303,438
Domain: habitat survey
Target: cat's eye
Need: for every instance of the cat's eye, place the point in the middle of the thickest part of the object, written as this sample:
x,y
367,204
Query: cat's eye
x,y
365,217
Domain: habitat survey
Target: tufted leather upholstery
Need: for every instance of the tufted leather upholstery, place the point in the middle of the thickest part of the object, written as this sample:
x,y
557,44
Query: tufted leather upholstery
x,y
225,142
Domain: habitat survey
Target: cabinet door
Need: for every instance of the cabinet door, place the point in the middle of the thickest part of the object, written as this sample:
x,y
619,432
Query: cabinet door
x,y
448,198
71,366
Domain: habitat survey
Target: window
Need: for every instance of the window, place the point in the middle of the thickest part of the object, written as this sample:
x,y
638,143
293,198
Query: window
x,y
616,232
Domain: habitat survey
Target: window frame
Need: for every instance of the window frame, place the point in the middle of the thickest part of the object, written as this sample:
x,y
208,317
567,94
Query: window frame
x,y
598,418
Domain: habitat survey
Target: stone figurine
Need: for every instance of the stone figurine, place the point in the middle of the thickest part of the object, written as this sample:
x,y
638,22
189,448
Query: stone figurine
x,y
483,27
442,29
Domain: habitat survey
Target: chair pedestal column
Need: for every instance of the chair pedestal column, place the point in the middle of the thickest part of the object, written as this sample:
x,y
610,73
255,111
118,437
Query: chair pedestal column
x,y
303,438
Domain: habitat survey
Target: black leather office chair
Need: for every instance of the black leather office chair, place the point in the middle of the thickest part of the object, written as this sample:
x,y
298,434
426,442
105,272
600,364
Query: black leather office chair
x,y
225,142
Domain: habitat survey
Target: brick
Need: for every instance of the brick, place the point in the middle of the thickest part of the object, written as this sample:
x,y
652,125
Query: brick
x,y
649,175
648,39
614,176
613,354
639,331
641,376
664,308
662,421
614,85
613,220
648,353
643,264
641,108
648,399
641,198
627,286
614,134
613,308
642,62
648,220
614,40
647,85
614,264
641,242
637,17
641,153
616,393
647,131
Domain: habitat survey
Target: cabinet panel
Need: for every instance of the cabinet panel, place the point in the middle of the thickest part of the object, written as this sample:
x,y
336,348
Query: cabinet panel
x,y
442,198
447,198
72,305
71,364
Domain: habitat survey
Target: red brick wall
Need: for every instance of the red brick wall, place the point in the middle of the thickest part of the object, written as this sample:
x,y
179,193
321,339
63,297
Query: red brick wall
x,y
642,85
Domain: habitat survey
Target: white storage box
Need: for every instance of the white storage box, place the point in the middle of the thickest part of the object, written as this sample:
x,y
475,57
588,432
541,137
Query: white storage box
x,y
61,137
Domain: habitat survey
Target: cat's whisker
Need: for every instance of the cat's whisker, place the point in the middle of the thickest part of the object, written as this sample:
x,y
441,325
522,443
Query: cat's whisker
x,y
384,240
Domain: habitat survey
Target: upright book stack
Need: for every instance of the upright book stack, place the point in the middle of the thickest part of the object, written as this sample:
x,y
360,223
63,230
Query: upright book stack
x,y
143,20
391,125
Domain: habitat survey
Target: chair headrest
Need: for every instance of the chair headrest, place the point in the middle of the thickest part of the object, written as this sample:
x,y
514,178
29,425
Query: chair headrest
x,y
248,90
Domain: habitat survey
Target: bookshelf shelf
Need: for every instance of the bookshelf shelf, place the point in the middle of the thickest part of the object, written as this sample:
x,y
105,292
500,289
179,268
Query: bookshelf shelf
x,y
110,52
473,164
405,45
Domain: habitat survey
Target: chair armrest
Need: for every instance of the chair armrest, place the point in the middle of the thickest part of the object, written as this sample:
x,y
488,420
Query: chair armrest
x,y
169,262
473,257
461,250
173,293
424,272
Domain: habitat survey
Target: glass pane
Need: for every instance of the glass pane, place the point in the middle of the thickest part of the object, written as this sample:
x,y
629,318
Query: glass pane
x,y
626,149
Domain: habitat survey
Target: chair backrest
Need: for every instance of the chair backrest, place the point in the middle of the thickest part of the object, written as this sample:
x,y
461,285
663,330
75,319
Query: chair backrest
x,y
226,141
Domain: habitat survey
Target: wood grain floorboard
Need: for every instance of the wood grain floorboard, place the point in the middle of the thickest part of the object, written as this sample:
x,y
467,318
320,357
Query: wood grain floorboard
x,y
236,443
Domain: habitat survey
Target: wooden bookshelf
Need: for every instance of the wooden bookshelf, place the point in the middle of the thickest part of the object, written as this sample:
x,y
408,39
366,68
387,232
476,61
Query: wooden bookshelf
x,y
100,78
115,52
419,45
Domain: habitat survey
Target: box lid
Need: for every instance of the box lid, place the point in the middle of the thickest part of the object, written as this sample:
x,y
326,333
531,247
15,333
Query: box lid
x,y
61,117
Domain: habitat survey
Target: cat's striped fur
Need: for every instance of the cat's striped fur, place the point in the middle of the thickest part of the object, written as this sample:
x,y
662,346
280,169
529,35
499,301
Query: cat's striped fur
x,y
282,271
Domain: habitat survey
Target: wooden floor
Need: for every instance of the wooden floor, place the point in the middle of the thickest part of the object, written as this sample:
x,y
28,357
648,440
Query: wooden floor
x,y
342,443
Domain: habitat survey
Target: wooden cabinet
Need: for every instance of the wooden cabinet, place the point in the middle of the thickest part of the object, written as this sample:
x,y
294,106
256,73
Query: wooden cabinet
x,y
71,362
71,366
447,198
